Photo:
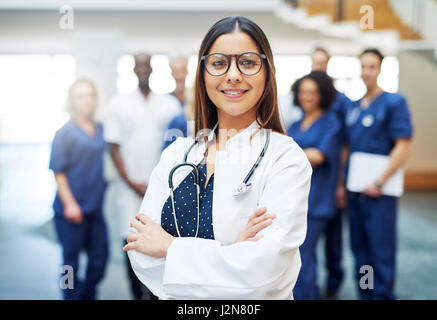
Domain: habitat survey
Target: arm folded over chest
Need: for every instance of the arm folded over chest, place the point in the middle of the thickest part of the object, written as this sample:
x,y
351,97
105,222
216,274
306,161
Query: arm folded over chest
x,y
205,269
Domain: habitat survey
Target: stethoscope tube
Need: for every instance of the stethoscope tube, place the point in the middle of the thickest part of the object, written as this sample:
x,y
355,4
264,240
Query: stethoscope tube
x,y
189,149
242,188
260,157
170,176
245,186
197,182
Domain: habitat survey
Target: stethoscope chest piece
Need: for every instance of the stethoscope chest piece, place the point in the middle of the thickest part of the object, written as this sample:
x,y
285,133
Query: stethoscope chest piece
x,y
242,189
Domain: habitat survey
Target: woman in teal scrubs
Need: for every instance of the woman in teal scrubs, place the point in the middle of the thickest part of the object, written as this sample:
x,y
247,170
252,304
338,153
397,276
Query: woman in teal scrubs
x,y
77,162
379,123
318,134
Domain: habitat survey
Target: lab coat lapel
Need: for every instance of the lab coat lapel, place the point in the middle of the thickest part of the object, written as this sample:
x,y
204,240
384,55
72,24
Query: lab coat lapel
x,y
231,168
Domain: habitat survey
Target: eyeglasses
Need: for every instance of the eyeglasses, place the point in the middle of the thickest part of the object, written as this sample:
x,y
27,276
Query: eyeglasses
x,y
248,63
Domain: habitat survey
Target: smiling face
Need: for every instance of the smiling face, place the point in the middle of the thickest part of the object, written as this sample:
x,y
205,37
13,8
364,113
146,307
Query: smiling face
x,y
370,69
233,93
309,96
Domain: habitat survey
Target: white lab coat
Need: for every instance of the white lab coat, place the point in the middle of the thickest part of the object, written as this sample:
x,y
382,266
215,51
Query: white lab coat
x,y
198,268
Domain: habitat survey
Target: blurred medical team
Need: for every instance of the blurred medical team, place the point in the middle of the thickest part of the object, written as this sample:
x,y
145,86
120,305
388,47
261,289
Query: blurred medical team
x,y
142,127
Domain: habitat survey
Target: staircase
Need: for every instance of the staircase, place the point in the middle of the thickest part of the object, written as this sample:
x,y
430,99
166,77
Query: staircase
x,y
384,18
350,19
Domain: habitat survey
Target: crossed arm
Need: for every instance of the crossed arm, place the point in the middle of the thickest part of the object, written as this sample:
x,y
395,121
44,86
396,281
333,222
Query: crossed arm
x,y
153,240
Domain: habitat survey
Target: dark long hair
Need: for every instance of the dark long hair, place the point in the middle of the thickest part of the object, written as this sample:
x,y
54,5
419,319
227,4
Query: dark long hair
x,y
325,87
205,112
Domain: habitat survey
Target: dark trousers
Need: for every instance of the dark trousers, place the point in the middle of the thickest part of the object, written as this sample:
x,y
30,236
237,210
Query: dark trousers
x,y
333,253
89,235
138,289
306,285
373,236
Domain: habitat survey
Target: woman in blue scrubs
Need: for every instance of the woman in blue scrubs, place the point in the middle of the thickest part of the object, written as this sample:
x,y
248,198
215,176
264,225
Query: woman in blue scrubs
x,y
77,162
379,123
333,232
318,134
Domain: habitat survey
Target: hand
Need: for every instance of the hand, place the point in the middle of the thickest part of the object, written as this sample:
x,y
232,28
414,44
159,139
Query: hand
x,y
256,223
372,191
73,212
150,238
139,188
340,196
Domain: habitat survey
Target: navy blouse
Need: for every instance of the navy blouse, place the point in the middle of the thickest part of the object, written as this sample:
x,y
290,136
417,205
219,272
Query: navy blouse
x,y
185,199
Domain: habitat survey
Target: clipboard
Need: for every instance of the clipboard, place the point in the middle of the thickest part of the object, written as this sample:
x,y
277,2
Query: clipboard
x,y
365,168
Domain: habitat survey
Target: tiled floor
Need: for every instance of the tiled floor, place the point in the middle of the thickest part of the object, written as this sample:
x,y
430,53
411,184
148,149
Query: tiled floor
x,y
30,256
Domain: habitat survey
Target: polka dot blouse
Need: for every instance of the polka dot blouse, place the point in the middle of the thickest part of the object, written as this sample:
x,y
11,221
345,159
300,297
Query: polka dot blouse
x,y
185,199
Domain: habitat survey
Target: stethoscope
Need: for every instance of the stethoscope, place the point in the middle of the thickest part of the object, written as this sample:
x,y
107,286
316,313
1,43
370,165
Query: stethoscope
x,y
242,188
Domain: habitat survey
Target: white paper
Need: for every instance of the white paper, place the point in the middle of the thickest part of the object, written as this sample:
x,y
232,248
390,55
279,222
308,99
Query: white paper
x,y
366,168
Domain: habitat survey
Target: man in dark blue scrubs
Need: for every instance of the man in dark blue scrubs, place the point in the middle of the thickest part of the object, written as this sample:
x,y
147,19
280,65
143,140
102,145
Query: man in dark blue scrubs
x,y
380,124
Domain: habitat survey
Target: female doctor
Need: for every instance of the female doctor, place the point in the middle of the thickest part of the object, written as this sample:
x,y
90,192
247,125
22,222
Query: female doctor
x,y
225,213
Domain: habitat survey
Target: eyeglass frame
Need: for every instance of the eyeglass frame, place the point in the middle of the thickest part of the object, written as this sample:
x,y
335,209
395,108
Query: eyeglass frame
x,y
237,56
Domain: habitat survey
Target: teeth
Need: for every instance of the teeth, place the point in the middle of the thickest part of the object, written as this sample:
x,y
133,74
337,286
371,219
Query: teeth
x,y
233,93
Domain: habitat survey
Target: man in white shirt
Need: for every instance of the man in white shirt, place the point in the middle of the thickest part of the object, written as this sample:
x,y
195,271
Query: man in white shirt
x,y
134,130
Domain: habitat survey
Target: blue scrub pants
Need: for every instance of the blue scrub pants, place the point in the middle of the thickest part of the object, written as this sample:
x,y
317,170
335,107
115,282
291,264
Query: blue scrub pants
x,y
90,235
373,240
333,252
306,286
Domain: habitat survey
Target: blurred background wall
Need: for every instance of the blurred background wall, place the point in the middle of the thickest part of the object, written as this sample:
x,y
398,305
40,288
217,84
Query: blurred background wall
x,y
98,33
